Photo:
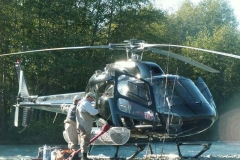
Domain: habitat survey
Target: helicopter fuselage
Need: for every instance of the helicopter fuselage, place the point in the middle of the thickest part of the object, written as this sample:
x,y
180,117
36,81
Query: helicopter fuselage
x,y
140,96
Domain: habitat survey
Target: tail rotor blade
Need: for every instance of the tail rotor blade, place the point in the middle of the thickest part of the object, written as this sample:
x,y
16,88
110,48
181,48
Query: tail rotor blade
x,y
20,82
16,116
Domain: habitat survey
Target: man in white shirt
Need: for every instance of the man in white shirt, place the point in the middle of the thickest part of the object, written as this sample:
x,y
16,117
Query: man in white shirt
x,y
84,117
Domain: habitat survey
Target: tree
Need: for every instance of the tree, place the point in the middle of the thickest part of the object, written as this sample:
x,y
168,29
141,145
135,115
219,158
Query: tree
x,y
210,24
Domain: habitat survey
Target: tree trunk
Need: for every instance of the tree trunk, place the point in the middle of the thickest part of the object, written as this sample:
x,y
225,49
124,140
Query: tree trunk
x,y
2,111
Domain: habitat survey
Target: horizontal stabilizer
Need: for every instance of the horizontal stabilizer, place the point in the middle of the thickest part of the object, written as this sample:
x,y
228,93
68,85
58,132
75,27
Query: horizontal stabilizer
x,y
59,103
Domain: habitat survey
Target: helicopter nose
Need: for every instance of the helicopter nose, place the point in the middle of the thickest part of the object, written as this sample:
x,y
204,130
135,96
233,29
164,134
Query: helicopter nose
x,y
207,114
203,118
205,110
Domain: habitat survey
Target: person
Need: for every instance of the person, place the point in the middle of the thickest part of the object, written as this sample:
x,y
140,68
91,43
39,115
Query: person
x,y
85,112
70,134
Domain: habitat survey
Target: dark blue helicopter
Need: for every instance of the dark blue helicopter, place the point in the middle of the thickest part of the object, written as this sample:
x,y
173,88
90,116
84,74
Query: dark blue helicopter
x,y
137,95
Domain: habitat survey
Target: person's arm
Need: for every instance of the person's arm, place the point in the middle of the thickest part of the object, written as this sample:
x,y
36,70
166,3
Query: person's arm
x,y
77,120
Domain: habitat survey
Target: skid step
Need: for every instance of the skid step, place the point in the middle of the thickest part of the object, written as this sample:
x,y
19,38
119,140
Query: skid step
x,y
205,146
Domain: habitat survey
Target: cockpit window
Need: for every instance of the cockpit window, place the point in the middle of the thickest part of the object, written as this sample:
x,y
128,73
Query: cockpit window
x,y
176,92
138,90
190,89
156,70
134,88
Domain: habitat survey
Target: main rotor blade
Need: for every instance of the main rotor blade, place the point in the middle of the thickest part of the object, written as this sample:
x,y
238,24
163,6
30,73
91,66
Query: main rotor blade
x,y
55,49
199,49
184,59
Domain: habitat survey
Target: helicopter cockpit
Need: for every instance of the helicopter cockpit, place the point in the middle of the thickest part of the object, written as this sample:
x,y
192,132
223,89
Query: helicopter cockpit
x,y
170,94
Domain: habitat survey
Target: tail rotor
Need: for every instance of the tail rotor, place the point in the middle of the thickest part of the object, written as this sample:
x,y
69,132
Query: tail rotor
x,y
22,95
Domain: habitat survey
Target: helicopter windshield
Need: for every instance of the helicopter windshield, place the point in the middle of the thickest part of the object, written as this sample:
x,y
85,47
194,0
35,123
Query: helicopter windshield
x,y
176,92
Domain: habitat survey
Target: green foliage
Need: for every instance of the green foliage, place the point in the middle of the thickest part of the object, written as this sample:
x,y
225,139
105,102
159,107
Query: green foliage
x,y
31,25
38,132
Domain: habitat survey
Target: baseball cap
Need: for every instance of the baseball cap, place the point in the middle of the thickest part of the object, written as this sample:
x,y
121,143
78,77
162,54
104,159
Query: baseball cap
x,y
77,97
90,94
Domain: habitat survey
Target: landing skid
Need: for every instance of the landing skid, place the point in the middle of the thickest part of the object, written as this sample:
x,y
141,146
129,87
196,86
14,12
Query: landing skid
x,y
140,148
206,146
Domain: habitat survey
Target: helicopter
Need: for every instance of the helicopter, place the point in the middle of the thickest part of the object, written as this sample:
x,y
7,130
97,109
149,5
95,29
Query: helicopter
x,y
136,97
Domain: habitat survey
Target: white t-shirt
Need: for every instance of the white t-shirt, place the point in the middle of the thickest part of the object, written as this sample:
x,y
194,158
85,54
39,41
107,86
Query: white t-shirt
x,y
85,106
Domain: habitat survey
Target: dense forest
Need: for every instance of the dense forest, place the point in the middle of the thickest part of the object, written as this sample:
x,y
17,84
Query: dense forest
x,y
32,24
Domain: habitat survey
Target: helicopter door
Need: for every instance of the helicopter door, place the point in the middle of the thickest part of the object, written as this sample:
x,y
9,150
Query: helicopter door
x,y
133,98
205,91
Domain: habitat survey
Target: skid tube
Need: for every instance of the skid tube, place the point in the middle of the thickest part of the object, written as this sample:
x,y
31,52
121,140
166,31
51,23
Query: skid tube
x,y
206,146
140,148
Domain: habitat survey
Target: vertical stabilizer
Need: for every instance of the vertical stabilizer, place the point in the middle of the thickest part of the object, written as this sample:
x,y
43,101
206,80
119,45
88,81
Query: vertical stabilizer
x,y
23,91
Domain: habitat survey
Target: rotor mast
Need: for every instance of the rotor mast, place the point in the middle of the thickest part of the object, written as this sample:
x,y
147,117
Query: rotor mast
x,y
136,47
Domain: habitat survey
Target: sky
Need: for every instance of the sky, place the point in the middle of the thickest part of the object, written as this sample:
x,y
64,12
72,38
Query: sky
x,y
174,4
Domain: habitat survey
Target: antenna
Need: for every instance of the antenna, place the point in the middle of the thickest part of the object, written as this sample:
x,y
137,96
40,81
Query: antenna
x,y
141,55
